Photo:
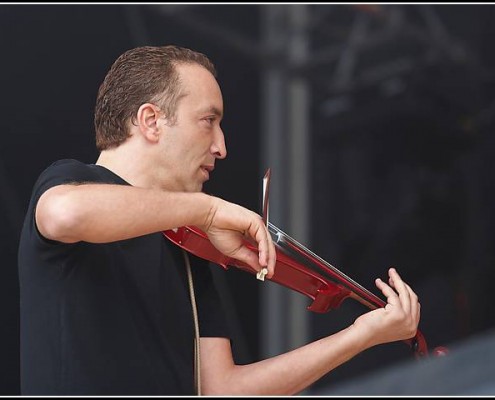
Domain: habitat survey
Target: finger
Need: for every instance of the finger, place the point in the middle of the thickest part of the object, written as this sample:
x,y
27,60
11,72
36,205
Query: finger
x,y
261,237
266,248
272,255
247,256
400,286
258,233
415,306
388,292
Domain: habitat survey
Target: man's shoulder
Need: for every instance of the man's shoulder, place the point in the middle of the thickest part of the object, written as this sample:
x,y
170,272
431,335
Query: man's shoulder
x,y
67,162
67,169
71,170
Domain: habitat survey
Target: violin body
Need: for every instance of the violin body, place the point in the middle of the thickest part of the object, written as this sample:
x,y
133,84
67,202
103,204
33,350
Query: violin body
x,y
287,272
296,268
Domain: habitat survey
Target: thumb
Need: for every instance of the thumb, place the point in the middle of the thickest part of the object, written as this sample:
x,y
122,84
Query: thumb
x,y
247,256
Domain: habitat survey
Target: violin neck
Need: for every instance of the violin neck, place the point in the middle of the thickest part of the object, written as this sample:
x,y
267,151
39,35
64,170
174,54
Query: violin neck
x,y
313,261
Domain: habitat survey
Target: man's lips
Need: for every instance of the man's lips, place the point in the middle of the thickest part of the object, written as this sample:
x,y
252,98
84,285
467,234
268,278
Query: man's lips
x,y
207,169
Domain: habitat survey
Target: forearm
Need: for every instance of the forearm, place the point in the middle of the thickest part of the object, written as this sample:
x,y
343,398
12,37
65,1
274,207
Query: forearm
x,y
291,372
103,213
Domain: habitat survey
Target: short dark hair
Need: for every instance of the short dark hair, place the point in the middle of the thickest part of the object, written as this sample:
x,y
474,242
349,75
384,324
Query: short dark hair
x,y
140,75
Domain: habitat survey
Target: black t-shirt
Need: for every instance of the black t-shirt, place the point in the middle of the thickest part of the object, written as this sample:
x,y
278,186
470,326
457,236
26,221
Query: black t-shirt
x,y
108,319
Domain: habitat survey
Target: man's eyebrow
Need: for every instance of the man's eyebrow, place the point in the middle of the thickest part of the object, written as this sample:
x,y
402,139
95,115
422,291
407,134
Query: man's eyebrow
x,y
214,110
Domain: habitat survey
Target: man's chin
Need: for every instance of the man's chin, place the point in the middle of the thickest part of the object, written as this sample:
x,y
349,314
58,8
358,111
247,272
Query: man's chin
x,y
196,188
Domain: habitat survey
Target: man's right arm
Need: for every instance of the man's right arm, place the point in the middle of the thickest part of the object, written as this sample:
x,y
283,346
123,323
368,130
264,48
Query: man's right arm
x,y
101,213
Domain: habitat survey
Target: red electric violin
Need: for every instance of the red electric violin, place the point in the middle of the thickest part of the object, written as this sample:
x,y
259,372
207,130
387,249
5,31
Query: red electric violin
x,y
297,268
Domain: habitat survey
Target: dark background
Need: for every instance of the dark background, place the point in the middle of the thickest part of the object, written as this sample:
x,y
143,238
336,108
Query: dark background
x,y
400,160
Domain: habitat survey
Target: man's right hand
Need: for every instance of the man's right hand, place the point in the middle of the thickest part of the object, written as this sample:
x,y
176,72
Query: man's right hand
x,y
228,225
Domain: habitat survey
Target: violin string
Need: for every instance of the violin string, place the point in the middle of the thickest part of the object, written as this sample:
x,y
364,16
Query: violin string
x,y
280,234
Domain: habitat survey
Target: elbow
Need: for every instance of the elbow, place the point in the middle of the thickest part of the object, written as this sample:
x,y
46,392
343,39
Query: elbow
x,y
57,216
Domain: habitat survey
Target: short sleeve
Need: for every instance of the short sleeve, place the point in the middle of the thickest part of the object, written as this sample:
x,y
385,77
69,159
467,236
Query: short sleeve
x,y
59,173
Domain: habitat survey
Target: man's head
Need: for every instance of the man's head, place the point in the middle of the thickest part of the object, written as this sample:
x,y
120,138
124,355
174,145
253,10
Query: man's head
x,y
141,75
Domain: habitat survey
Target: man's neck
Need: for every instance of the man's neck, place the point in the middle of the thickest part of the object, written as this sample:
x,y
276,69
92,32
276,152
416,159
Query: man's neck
x,y
127,166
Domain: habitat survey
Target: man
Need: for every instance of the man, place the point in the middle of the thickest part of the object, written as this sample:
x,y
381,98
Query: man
x,y
108,305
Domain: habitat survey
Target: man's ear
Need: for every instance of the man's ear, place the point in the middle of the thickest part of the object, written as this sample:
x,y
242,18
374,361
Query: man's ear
x,y
147,121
